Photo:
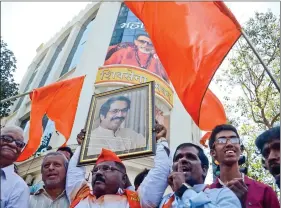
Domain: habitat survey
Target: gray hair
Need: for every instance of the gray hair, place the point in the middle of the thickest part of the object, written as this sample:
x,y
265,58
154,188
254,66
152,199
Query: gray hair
x,y
12,128
55,154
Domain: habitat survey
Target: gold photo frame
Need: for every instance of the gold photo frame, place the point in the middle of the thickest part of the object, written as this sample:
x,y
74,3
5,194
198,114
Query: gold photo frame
x,y
122,121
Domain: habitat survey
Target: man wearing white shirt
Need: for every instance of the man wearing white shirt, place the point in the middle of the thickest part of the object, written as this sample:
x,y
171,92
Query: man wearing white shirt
x,y
110,187
14,190
109,134
190,167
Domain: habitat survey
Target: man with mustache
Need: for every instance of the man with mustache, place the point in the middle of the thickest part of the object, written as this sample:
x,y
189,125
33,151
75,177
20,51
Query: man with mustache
x,y
141,54
225,147
269,145
14,190
52,194
110,180
109,134
190,167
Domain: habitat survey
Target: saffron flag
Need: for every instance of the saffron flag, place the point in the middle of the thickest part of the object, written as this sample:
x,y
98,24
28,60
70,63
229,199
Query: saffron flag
x,y
59,101
191,40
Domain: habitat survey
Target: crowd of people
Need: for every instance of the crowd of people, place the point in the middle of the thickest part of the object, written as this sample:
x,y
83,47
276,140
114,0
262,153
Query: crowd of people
x,y
64,184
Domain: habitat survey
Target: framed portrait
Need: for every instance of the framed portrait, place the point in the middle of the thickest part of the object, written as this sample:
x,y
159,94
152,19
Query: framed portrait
x,y
122,121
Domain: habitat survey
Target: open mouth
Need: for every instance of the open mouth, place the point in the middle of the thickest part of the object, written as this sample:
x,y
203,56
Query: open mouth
x,y
52,176
186,169
229,151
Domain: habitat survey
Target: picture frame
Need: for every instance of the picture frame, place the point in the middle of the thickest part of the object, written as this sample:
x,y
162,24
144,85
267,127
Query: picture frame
x,y
122,121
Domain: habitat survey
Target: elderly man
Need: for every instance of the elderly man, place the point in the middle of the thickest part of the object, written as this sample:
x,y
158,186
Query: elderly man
x,y
141,54
190,167
225,148
14,190
269,145
67,152
52,194
110,181
109,134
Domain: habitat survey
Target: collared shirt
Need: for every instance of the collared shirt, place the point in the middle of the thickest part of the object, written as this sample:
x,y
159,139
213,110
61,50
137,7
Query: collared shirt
x,y
124,139
41,199
202,197
150,191
14,190
36,187
259,195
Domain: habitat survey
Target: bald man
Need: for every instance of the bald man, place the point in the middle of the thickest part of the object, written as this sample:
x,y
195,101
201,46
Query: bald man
x,y
14,190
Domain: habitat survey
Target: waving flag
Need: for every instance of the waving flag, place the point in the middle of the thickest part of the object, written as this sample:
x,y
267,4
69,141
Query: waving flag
x,y
59,101
191,40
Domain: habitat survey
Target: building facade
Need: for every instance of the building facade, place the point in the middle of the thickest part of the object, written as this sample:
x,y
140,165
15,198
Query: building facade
x,y
103,39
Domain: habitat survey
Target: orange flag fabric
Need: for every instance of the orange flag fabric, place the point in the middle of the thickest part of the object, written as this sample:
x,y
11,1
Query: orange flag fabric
x,y
59,101
211,112
191,41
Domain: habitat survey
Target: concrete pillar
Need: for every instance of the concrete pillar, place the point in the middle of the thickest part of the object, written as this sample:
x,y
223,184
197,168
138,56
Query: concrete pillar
x,y
180,130
66,51
92,58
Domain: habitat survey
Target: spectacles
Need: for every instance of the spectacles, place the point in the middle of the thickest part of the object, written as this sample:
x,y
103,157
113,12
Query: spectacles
x,y
143,42
105,168
223,140
9,139
115,111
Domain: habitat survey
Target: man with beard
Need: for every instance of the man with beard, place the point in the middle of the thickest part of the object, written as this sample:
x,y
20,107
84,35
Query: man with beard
x,y
269,145
109,135
190,167
52,194
110,180
14,190
141,54
225,148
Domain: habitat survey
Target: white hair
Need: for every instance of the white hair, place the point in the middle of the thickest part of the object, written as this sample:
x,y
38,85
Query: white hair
x,y
12,128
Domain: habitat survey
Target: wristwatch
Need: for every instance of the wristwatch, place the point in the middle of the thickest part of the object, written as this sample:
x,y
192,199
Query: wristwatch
x,y
182,189
162,139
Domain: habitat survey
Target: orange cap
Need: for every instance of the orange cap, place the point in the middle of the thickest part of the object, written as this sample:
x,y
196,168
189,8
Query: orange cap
x,y
107,155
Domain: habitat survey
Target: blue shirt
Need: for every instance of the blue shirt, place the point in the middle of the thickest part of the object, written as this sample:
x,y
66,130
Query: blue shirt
x,y
14,190
204,198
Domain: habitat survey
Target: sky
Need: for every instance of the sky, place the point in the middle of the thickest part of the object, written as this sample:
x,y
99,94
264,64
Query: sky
x,y
25,25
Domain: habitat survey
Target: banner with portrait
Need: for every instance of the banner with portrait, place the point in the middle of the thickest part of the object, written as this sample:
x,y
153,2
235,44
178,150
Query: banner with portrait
x,y
130,45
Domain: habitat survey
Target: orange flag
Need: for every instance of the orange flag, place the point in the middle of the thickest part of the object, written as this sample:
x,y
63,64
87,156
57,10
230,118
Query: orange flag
x,y
191,42
211,112
59,101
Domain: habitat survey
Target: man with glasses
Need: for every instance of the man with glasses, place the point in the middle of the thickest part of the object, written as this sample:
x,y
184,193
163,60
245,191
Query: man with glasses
x,y
269,145
225,148
110,181
141,54
109,134
14,190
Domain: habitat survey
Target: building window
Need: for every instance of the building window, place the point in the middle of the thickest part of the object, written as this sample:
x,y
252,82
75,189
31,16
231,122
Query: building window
x,y
77,49
29,83
24,122
54,62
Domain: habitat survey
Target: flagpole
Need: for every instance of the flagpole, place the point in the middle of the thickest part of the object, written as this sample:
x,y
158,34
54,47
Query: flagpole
x,y
259,58
14,97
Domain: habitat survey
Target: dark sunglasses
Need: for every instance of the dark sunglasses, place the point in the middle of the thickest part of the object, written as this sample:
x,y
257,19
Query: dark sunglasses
x,y
9,139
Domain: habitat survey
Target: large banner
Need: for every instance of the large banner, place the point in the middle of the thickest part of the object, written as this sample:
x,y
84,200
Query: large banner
x,y
131,45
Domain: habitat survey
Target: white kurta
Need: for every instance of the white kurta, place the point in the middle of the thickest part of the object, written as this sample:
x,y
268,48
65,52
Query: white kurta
x,y
150,191
124,139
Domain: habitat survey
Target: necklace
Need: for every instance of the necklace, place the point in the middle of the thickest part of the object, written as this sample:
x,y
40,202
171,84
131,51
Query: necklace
x,y
223,184
147,61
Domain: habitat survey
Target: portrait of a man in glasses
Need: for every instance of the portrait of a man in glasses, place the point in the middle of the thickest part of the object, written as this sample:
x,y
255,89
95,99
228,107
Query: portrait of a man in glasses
x,y
140,53
109,134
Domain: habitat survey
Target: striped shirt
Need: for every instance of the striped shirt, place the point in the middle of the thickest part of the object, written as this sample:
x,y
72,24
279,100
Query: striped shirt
x,y
41,199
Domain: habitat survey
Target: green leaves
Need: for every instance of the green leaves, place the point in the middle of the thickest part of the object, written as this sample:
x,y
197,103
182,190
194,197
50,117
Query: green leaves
x,y
257,107
8,87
